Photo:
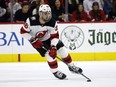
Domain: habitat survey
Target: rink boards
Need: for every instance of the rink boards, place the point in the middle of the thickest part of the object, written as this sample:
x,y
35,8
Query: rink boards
x,y
84,41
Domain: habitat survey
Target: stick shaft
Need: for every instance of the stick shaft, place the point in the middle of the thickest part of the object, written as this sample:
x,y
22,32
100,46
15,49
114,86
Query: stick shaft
x,y
79,73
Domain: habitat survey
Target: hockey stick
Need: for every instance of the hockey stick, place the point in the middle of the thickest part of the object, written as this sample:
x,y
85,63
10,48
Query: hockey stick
x,y
88,79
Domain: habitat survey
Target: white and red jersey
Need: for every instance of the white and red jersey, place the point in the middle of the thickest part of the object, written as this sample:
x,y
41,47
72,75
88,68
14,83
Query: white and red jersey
x,y
33,28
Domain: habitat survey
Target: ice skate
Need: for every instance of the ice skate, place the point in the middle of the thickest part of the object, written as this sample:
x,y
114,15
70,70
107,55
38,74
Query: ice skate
x,y
59,75
75,69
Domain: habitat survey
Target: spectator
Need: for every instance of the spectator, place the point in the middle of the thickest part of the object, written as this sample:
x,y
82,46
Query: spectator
x,y
51,3
15,4
112,13
79,15
3,11
97,14
58,11
22,14
37,3
72,5
107,6
33,5
3,15
2,4
88,5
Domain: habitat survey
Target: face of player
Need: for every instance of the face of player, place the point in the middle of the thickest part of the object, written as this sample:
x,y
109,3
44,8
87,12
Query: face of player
x,y
46,16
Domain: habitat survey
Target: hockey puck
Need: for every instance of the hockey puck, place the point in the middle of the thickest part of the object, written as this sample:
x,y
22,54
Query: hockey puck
x,y
88,80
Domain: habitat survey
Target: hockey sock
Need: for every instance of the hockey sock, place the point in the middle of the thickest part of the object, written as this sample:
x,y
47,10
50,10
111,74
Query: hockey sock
x,y
67,59
53,66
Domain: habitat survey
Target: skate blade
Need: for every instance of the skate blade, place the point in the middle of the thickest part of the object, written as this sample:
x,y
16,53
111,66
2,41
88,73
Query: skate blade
x,y
64,79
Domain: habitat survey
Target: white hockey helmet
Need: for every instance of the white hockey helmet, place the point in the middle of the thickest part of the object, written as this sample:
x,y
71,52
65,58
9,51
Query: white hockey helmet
x,y
44,8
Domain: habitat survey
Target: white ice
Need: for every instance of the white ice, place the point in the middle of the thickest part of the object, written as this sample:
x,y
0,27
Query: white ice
x,y
102,74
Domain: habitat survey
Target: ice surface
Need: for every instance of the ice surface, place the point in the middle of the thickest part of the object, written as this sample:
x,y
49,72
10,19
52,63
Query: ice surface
x,y
102,74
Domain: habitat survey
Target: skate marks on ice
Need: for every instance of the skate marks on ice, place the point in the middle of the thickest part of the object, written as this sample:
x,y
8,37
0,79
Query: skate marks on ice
x,y
102,74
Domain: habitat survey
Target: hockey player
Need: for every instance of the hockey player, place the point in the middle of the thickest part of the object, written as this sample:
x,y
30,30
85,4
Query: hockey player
x,y
42,33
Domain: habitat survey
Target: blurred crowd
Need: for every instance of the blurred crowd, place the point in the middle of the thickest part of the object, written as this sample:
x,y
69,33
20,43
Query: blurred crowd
x,y
62,10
